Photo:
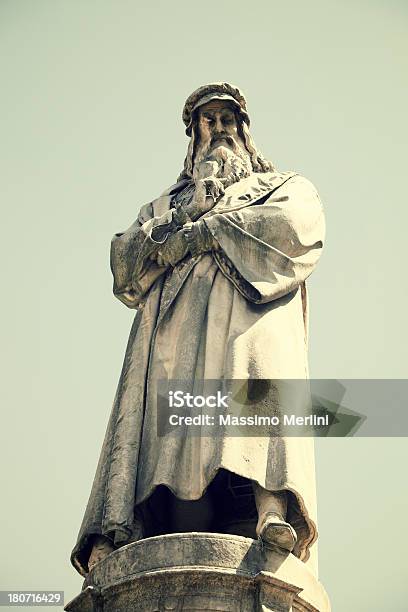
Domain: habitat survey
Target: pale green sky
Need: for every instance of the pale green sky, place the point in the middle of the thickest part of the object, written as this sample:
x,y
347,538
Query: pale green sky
x,y
90,105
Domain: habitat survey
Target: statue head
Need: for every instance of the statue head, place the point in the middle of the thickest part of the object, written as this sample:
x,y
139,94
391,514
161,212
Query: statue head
x,y
217,121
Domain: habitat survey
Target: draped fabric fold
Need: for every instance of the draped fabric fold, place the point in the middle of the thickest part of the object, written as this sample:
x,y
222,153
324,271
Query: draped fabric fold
x,y
273,246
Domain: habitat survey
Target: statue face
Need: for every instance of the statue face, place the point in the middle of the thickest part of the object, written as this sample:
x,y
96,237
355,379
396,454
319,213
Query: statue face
x,y
217,130
217,125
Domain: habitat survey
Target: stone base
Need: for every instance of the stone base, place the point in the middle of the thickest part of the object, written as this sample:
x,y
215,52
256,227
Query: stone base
x,y
200,572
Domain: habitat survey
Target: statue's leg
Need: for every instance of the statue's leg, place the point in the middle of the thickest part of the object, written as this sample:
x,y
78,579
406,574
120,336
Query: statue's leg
x,y
272,527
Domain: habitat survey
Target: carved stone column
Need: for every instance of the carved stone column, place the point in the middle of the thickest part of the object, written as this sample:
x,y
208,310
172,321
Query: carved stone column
x,y
200,572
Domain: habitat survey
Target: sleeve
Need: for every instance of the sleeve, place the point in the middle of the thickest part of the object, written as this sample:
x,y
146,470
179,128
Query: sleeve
x,y
269,249
133,270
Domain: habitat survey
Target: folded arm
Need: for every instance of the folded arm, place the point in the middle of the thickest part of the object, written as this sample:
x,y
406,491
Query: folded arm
x,y
133,255
269,248
266,249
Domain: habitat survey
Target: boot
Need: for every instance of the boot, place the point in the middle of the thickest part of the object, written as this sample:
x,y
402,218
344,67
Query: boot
x,y
272,527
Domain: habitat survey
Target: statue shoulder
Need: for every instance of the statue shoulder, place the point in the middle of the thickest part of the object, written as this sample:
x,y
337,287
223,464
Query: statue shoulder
x,y
160,205
298,184
145,213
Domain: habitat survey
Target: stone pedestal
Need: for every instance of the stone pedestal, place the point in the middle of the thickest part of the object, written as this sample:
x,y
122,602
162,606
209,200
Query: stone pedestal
x,y
200,572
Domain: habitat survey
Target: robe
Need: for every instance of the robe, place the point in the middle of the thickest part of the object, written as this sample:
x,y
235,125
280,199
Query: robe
x,y
236,312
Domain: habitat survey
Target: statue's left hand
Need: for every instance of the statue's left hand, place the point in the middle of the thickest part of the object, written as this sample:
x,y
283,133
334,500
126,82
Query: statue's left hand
x,y
173,250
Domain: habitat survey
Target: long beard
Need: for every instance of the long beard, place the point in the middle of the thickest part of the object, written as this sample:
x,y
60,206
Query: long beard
x,y
229,163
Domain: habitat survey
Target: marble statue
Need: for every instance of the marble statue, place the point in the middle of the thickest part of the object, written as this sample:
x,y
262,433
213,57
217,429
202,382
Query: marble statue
x,y
216,271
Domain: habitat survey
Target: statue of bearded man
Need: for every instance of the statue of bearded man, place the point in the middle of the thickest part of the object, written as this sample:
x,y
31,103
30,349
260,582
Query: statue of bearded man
x,y
216,268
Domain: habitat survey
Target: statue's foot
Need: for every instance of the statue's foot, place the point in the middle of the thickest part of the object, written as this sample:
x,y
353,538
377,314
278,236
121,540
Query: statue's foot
x,y
273,530
102,547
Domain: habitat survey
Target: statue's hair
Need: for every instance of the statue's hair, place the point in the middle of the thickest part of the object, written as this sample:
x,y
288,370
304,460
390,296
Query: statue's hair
x,y
258,161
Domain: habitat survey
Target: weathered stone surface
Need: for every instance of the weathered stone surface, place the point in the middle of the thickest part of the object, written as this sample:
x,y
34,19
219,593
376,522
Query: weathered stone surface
x,y
200,571
216,268
233,280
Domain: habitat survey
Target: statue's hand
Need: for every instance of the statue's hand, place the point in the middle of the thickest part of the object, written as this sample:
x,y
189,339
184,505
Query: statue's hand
x,y
207,192
102,547
213,188
173,250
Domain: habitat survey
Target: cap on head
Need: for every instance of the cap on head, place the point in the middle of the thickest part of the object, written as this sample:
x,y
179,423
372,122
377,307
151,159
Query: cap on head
x,y
213,91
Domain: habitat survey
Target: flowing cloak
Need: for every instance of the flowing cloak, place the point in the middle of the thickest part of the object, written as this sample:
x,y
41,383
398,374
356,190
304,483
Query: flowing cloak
x,y
237,312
